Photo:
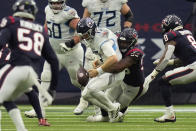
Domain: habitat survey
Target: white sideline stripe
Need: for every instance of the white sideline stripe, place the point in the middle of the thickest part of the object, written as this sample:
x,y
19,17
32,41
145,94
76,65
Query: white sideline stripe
x,y
133,109
71,129
140,109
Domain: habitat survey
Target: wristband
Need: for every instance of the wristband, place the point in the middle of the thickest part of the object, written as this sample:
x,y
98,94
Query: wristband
x,y
100,70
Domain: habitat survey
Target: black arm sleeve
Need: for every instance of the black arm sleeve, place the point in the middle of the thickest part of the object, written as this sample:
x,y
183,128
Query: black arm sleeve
x,y
51,58
5,35
129,16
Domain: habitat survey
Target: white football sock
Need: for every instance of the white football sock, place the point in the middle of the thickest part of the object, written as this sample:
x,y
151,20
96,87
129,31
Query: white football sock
x,y
17,119
170,108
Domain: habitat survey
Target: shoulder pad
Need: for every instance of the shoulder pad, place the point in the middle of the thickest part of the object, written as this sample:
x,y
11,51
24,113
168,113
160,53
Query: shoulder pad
x,y
103,32
71,12
169,36
85,3
7,21
136,53
47,8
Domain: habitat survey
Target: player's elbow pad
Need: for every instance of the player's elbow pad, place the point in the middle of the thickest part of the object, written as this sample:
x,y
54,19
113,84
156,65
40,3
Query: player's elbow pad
x,y
129,16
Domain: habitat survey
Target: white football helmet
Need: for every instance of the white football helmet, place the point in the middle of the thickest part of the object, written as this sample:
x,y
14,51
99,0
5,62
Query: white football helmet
x,y
56,5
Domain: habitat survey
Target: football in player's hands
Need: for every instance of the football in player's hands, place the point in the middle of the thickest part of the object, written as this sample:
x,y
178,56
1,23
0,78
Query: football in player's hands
x,y
82,76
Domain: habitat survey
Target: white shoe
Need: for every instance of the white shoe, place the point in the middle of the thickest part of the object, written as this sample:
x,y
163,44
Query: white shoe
x,y
97,118
167,117
30,114
81,107
114,114
121,117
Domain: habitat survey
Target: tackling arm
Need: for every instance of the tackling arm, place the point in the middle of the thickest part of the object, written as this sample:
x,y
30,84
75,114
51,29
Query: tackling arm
x,y
121,65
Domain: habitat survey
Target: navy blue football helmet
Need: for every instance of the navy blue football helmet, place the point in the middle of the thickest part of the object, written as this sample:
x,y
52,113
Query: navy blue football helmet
x,y
86,28
25,9
127,39
170,22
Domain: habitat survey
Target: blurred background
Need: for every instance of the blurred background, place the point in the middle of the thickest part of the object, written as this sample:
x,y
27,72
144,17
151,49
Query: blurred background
x,y
148,15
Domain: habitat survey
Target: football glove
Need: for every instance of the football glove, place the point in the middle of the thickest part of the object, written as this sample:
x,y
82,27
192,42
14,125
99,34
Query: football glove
x,y
150,78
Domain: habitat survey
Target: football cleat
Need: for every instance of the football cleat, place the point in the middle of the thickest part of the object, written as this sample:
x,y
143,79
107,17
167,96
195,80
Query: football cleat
x,y
121,116
43,122
114,114
167,117
97,118
81,107
30,114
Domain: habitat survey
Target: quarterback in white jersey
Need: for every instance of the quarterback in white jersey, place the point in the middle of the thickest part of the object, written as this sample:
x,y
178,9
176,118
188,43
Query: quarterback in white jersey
x,y
104,42
107,13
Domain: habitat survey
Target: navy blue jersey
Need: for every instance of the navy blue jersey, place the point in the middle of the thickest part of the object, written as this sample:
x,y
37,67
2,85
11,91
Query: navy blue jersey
x,y
4,56
28,41
185,48
135,75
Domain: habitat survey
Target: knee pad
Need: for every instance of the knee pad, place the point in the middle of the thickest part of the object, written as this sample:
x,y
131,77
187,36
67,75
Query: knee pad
x,y
46,76
9,105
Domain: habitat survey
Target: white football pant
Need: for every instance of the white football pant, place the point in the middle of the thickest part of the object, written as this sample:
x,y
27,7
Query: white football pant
x,y
94,90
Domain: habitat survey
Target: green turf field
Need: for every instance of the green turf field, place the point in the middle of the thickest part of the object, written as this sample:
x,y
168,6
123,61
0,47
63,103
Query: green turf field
x,y
139,118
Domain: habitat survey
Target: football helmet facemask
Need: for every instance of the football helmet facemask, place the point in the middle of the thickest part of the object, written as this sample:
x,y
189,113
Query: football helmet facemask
x,y
127,39
86,28
56,5
25,9
171,22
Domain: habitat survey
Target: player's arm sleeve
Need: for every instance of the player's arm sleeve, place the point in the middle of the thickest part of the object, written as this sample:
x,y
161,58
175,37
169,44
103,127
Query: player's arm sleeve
x,y
51,58
166,57
5,36
109,48
109,52
84,3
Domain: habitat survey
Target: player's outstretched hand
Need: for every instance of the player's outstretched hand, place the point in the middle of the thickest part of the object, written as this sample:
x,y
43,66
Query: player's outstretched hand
x,y
93,73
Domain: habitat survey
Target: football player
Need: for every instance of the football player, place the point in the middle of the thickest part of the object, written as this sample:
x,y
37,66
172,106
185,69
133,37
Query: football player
x,y
181,43
28,42
107,13
132,84
32,95
106,16
104,42
61,22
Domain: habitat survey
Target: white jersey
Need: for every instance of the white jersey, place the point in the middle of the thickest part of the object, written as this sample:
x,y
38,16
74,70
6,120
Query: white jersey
x,y
106,14
58,26
105,43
